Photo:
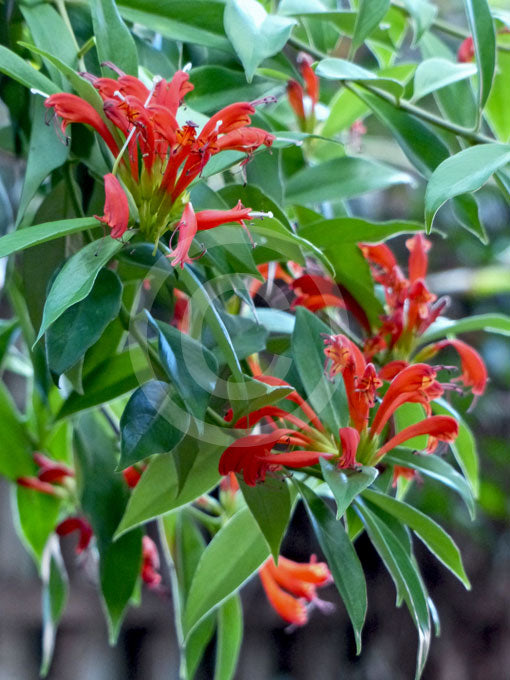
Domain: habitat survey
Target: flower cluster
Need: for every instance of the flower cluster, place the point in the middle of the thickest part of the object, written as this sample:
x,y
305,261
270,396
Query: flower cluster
x,y
157,157
304,100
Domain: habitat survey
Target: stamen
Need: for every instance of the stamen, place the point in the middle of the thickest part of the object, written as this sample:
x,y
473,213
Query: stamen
x,y
260,215
34,90
187,67
264,100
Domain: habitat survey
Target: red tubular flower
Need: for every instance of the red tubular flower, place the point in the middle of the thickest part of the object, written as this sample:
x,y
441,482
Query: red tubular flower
x,y
208,219
466,50
316,292
439,428
187,228
295,397
349,438
392,369
246,140
132,476
379,254
73,109
401,471
50,473
252,455
150,563
418,246
419,304
474,371
37,485
416,383
295,94
116,207
270,412
76,524
305,62
289,585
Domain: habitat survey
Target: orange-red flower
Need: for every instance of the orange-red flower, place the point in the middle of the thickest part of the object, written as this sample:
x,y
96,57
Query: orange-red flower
x,y
186,230
76,524
116,207
290,585
439,428
51,474
466,50
474,371
150,563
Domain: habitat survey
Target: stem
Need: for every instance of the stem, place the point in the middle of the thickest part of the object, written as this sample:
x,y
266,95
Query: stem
x,y
176,600
130,326
86,47
73,190
217,418
212,524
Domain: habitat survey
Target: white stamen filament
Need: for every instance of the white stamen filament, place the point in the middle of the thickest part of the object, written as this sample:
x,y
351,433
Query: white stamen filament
x,y
34,90
260,215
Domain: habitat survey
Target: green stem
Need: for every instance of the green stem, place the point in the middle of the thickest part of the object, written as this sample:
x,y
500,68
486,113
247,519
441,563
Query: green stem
x,y
130,326
86,47
217,418
176,600
61,6
212,524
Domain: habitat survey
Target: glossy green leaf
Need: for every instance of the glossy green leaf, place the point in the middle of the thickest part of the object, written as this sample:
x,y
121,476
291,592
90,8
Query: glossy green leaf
x,y
464,447
436,468
114,41
328,233
341,69
108,380
466,171
15,453
76,278
341,558
191,367
423,14
55,590
492,323
370,14
217,86
484,39
342,178
17,68
497,110
246,335
45,23
82,324
345,485
37,518
270,505
230,637
158,490
250,394
434,536
46,152
253,33
433,74
196,21
32,236
327,398
229,560
405,576
151,423
103,494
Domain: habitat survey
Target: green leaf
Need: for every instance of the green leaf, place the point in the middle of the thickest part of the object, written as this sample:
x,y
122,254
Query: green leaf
x,y
341,558
37,517
15,452
45,23
217,86
466,171
230,637
433,74
492,323
253,33
250,394
229,560
435,537
108,380
270,505
151,423
342,178
20,70
103,495
114,41
341,69
82,324
370,14
8,331
158,491
329,233
195,21
464,446
345,485
33,236
484,39
191,367
497,110
436,468
405,576
423,14
326,397
45,154
55,589
76,278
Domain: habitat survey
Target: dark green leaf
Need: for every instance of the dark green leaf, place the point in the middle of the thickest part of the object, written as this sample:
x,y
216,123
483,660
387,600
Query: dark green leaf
x,y
329,233
327,398
434,537
484,39
434,467
345,485
217,86
114,41
152,422
37,517
250,394
370,14
82,324
341,557
270,505
17,68
33,236
229,560
15,453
